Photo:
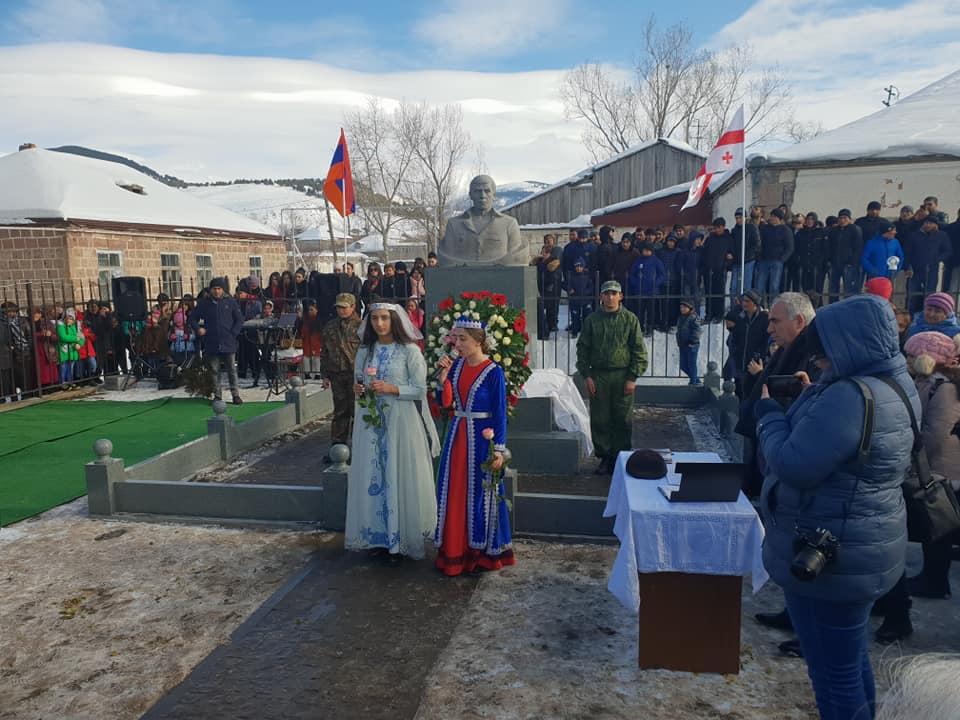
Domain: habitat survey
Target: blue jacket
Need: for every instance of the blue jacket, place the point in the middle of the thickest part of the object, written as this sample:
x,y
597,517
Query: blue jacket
x,y
926,250
688,265
222,321
875,255
581,286
647,276
814,479
572,252
948,327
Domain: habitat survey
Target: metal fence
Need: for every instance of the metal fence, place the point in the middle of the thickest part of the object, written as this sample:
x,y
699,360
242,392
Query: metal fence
x,y
561,315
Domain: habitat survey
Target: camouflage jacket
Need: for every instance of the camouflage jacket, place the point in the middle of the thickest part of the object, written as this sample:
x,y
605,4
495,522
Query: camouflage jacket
x,y
611,341
340,344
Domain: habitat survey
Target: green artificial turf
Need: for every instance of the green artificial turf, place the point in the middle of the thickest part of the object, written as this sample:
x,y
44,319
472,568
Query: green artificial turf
x,y
44,447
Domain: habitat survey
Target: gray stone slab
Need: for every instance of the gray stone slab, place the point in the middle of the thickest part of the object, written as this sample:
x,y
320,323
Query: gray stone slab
x,y
258,430
554,452
179,462
675,395
532,415
561,515
519,284
278,503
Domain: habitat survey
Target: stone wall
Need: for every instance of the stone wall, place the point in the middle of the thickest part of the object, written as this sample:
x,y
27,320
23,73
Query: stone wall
x,y
55,255
30,254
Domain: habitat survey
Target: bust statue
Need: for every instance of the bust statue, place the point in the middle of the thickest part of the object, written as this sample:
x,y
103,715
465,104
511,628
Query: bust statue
x,y
482,235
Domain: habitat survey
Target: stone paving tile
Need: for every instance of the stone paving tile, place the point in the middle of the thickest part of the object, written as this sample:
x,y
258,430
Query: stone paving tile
x,y
350,639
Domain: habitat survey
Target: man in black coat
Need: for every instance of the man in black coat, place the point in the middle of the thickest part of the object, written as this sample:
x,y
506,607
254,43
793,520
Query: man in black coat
x,y
925,250
845,242
809,249
750,248
776,247
870,223
713,257
218,322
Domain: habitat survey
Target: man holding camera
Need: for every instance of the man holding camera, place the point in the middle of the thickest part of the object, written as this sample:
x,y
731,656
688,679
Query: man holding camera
x,y
831,502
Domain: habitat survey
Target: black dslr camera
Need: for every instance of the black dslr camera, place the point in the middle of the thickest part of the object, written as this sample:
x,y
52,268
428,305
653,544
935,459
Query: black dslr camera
x,y
812,552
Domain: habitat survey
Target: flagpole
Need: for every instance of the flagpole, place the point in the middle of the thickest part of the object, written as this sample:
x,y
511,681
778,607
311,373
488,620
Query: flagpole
x,y
746,214
346,219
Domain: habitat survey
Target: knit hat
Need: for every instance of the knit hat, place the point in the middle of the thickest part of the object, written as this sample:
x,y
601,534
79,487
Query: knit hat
x,y
777,213
930,349
845,212
874,205
941,301
689,303
880,286
218,282
754,297
580,262
253,281
583,233
646,465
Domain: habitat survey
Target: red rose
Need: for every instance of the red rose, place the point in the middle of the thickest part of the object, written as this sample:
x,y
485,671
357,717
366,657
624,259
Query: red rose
x,y
498,299
520,323
468,295
446,304
513,400
526,337
526,360
483,295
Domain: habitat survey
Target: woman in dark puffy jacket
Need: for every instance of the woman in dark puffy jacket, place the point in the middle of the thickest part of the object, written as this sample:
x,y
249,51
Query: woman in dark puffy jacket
x,y
817,480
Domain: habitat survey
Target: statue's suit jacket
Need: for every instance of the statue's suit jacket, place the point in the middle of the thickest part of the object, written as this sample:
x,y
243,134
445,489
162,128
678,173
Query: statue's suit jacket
x,y
492,239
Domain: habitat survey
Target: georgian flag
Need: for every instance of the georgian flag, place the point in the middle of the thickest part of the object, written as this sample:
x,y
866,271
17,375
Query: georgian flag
x,y
726,157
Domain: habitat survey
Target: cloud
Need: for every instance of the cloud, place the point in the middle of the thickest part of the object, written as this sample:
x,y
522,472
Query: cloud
x,y
500,28
43,20
839,57
205,117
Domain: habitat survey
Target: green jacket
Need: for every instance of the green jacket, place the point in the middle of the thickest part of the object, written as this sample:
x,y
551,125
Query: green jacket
x,y
69,338
611,341
340,344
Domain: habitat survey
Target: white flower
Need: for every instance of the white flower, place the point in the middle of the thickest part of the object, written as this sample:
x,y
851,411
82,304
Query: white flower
x,y
457,307
443,331
501,322
436,320
446,318
472,304
507,362
498,335
497,358
509,331
476,315
506,340
431,342
492,320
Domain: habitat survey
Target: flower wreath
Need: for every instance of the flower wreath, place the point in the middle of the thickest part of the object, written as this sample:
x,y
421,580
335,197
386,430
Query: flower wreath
x,y
507,336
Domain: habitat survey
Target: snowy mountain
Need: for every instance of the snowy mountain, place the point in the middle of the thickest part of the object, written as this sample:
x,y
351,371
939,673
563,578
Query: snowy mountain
x,y
273,205
510,193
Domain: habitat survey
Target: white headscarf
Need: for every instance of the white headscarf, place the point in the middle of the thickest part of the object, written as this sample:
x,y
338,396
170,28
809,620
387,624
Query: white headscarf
x,y
409,328
414,334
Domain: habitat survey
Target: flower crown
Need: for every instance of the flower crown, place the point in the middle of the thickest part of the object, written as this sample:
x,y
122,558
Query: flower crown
x,y
467,322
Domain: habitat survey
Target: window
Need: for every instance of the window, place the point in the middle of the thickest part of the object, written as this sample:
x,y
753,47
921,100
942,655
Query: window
x,y
109,266
256,267
204,271
171,279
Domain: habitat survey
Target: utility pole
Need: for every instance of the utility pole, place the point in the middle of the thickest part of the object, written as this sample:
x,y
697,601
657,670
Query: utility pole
x,y
893,94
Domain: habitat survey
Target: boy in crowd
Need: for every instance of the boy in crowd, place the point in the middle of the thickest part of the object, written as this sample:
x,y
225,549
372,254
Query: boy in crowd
x,y
688,340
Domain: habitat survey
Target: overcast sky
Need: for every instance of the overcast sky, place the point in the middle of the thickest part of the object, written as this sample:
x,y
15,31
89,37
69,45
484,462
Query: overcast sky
x,y
214,89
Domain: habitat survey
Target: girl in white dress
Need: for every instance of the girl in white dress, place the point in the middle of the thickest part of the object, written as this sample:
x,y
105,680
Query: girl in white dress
x,y
391,497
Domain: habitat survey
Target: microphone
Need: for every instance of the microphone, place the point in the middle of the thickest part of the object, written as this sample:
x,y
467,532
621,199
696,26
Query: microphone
x,y
453,354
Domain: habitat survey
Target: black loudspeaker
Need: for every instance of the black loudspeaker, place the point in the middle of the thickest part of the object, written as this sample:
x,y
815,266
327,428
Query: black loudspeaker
x,y
130,298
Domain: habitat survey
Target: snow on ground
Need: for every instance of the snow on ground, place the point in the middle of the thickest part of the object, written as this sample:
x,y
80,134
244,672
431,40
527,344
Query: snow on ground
x,y
102,617
146,390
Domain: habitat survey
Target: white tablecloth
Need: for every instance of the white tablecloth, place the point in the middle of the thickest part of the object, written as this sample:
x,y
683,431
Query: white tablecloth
x,y
659,536
569,410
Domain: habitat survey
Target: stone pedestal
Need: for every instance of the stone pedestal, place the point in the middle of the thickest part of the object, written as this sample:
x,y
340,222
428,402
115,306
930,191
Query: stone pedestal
x,y
519,284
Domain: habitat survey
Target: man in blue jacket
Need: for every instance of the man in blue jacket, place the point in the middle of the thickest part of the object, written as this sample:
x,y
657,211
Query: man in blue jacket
x,y
882,255
776,247
218,322
646,280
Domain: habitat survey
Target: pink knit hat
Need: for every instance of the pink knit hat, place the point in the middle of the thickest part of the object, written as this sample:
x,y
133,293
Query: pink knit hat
x,y
941,301
941,349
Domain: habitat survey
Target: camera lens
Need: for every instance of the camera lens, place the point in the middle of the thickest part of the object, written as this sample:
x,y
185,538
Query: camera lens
x,y
807,564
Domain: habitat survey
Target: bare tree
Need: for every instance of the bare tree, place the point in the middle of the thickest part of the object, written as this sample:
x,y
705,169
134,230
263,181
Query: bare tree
x,y
381,162
439,143
590,93
679,91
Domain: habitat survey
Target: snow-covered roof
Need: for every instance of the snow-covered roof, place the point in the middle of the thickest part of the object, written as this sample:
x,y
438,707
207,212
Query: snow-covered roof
x,y
586,173
634,202
923,124
43,184
578,222
374,243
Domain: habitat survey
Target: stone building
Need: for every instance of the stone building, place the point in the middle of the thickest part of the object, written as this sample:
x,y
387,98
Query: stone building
x,y
67,220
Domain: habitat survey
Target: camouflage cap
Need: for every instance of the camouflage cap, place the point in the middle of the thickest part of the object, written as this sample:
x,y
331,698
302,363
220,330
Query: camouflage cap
x,y
611,286
345,300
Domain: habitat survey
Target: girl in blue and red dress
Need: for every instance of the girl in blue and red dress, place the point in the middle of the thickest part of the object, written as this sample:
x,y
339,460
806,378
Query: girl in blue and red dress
x,y
473,528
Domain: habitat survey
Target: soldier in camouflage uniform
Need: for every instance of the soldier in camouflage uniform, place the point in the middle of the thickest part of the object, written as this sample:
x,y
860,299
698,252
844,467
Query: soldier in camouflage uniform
x,y
610,357
340,343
